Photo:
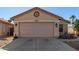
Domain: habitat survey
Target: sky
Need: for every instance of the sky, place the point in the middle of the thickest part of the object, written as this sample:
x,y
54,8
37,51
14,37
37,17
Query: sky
x,y
65,12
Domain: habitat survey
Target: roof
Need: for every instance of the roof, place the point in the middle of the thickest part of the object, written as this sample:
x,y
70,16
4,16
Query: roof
x,y
5,21
37,8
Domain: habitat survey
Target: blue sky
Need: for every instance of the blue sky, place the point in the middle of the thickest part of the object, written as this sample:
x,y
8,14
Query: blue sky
x,y
65,12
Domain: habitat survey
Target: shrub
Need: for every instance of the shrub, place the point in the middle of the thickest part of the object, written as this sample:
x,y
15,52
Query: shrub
x,y
15,37
67,36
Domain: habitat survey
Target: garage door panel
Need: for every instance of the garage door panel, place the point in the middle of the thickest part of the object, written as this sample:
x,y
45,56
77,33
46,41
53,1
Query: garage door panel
x,y
36,29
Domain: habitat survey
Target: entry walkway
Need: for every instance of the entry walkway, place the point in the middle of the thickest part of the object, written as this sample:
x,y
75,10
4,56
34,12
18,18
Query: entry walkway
x,y
37,44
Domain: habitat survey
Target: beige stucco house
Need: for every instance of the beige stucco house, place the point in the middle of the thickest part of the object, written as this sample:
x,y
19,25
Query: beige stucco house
x,y
5,28
37,22
73,31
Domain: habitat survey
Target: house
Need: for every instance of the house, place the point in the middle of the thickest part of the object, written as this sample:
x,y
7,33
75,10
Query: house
x,y
70,30
37,22
73,31
5,28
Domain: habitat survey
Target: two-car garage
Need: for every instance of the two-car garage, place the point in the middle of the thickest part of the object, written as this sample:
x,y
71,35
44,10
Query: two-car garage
x,y
33,29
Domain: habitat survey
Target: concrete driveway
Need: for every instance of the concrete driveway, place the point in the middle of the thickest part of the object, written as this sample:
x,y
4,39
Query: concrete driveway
x,y
37,44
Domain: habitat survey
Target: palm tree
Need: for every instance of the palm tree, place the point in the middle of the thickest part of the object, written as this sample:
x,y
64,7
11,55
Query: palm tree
x,y
72,20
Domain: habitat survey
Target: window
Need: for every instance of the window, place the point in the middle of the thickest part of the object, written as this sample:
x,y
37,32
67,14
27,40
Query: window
x,y
60,27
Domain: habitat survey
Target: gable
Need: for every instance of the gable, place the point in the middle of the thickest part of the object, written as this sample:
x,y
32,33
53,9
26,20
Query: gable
x,y
29,15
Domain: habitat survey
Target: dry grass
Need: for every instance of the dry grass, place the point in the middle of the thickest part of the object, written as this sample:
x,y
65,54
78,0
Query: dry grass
x,y
5,41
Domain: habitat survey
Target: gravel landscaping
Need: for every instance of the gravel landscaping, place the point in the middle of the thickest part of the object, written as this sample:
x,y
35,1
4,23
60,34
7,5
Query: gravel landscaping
x,y
5,41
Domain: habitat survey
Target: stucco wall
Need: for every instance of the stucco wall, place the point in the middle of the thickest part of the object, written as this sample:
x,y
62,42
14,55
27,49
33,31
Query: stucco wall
x,y
56,30
0,29
30,16
4,29
16,29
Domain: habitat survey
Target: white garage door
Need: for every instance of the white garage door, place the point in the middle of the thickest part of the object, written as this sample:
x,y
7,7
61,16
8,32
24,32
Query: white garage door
x,y
36,29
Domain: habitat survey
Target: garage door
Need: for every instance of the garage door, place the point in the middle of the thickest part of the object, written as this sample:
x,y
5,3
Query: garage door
x,y
36,29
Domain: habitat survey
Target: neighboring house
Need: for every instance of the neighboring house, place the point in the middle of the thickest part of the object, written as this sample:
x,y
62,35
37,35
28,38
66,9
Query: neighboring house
x,y
72,31
5,28
37,22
